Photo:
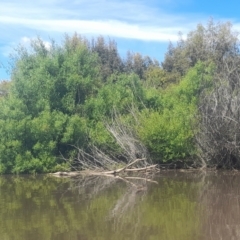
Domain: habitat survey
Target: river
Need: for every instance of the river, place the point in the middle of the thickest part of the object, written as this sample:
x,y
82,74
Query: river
x,y
175,205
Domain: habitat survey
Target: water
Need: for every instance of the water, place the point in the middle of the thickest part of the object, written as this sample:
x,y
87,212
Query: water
x,y
178,205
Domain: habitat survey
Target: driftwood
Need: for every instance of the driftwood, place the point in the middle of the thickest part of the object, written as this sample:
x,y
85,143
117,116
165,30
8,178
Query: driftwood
x,y
152,168
125,168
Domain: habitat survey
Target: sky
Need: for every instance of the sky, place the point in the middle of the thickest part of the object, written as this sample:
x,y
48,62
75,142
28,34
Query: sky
x,y
144,26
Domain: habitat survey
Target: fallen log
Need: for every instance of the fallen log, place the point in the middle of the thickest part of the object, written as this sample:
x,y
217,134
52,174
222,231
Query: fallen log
x,y
124,168
141,169
108,173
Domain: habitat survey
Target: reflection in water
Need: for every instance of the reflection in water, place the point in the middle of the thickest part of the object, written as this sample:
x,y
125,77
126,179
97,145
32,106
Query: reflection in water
x,y
182,206
221,197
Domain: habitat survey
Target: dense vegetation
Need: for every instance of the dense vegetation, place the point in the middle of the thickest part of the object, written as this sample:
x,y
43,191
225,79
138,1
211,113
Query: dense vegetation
x,y
60,99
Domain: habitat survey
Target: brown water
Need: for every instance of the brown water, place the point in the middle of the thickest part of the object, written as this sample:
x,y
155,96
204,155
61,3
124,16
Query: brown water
x,y
180,206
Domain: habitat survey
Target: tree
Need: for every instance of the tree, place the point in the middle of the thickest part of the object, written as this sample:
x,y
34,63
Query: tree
x,y
219,136
167,131
138,64
60,77
110,61
42,115
213,43
58,99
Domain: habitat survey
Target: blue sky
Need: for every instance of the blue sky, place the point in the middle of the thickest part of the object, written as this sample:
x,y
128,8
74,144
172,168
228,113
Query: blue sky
x,y
144,26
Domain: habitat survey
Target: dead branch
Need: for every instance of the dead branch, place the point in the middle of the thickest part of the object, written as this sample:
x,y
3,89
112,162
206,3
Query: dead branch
x,y
132,152
108,173
141,169
125,168
218,138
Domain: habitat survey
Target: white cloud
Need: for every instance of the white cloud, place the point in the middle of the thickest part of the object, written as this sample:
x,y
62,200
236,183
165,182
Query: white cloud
x,y
108,27
124,19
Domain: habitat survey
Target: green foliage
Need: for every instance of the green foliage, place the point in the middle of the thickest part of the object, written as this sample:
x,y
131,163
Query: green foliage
x,y
211,43
138,64
32,144
58,98
61,97
60,77
157,78
120,93
168,131
41,117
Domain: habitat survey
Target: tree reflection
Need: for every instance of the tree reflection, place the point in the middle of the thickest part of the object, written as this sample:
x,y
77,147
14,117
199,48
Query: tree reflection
x,y
98,207
221,200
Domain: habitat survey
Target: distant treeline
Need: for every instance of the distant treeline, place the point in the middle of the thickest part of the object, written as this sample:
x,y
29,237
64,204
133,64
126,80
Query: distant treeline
x,y
60,99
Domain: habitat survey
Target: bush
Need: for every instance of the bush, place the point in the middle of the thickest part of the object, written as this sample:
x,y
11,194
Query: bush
x,y
168,132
